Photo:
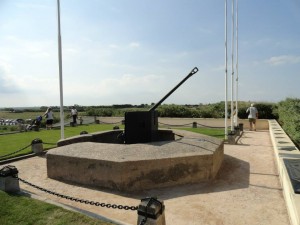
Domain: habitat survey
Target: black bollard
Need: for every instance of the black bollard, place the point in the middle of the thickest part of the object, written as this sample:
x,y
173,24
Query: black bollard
x,y
231,137
151,212
237,130
241,126
9,181
37,146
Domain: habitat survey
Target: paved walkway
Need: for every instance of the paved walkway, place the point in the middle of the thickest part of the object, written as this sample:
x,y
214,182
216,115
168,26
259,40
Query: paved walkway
x,y
246,191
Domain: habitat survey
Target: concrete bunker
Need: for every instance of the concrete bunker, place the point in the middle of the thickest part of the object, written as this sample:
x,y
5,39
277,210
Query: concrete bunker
x,y
140,157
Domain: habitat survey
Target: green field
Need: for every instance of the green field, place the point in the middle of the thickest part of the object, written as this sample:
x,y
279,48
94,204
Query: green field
x,y
21,210
13,142
23,115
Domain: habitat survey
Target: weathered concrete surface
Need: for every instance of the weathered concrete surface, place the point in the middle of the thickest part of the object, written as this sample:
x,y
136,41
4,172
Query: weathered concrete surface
x,y
192,158
112,136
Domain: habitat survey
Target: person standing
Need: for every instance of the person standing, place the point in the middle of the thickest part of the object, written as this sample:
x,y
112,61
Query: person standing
x,y
49,118
252,116
74,115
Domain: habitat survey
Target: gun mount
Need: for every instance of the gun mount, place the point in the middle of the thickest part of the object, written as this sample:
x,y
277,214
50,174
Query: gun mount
x,y
142,126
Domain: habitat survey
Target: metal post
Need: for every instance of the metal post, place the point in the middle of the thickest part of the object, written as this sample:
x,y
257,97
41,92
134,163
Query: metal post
x,y
236,69
232,59
60,75
226,79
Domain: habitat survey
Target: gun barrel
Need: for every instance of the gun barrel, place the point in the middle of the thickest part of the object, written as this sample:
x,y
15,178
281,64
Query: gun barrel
x,y
195,70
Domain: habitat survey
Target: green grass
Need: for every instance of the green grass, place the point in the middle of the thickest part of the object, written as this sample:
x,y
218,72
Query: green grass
x,y
21,210
214,132
13,142
23,115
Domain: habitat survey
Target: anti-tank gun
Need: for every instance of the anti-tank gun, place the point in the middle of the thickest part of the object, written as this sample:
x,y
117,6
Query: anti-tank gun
x,y
142,126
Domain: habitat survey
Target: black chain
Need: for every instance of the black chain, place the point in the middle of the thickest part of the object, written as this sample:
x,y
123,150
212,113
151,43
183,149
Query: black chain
x,y
175,125
114,206
181,125
202,125
12,153
3,156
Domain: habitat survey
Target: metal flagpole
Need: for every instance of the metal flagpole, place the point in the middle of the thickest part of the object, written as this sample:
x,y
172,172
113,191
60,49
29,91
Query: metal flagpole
x,y
236,66
60,75
232,67
226,77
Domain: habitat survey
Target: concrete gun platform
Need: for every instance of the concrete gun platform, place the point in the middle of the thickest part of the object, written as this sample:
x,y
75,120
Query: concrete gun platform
x,y
246,190
191,158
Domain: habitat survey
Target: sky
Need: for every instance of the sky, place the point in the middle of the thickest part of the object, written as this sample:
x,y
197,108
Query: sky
x,y
135,52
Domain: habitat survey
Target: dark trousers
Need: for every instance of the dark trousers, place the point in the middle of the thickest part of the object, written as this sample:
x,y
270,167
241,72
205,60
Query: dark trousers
x,y
74,118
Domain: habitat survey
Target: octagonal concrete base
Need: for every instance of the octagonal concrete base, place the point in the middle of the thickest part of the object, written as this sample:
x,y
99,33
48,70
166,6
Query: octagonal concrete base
x,y
190,158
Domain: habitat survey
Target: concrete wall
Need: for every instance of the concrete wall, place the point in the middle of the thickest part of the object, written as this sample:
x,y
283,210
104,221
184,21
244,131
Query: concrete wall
x,y
285,149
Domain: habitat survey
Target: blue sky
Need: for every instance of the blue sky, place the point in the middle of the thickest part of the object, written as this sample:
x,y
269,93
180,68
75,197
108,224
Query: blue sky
x,y
135,52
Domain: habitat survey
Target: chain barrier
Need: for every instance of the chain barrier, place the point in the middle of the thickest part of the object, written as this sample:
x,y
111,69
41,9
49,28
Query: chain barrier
x,y
182,125
175,125
12,153
101,204
33,142
202,125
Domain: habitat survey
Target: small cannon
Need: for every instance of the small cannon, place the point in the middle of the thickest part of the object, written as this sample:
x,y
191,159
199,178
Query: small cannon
x,y
142,126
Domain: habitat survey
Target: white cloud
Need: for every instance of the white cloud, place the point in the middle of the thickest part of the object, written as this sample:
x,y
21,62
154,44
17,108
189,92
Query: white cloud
x,y
134,45
30,5
283,59
25,48
8,83
113,46
117,85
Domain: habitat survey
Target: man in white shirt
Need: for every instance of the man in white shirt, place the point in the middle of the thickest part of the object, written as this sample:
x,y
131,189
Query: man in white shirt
x,y
253,115
74,115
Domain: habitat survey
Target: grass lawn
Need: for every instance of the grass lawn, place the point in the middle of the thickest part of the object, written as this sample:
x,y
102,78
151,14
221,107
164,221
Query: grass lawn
x,y
214,132
13,142
21,210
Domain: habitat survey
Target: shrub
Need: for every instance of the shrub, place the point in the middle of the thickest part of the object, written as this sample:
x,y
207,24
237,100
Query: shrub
x,y
289,111
174,111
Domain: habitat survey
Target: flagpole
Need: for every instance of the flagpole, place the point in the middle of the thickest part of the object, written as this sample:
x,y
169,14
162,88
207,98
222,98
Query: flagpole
x,y
232,66
236,66
226,76
60,74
